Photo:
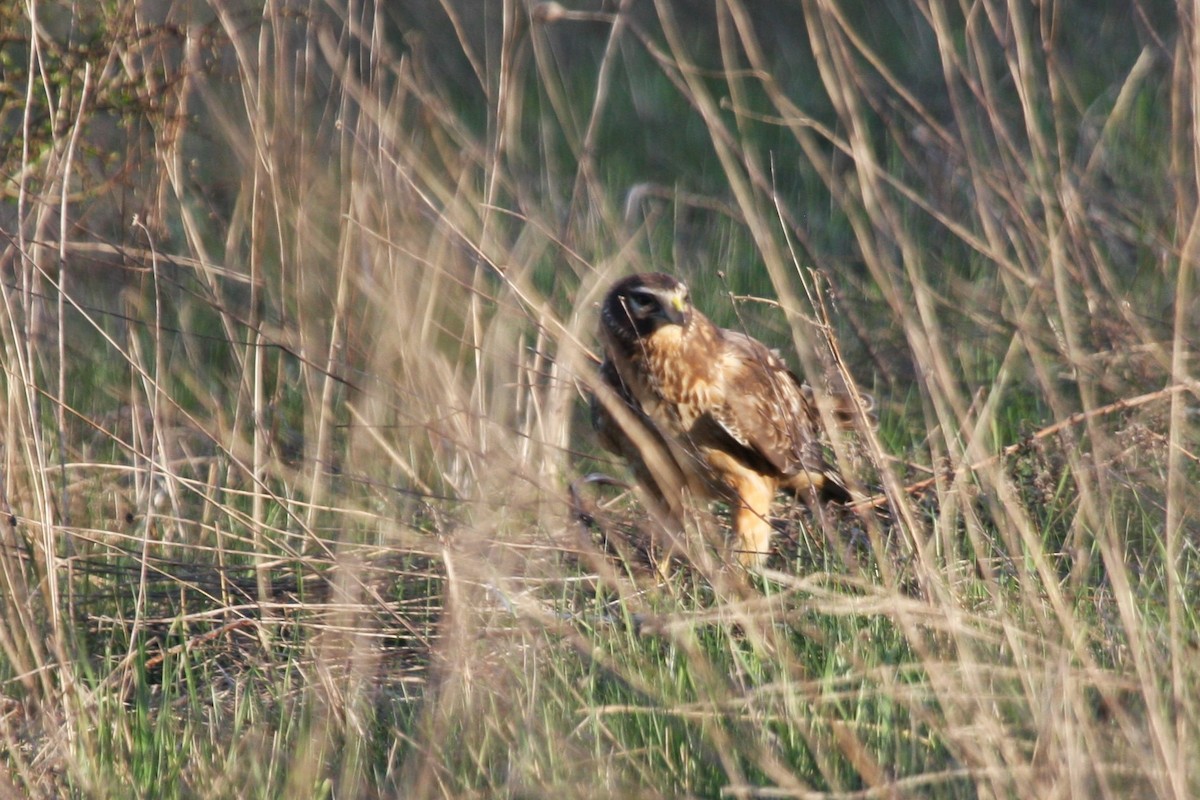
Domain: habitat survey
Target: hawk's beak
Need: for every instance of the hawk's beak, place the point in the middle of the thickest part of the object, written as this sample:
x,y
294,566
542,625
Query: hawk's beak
x,y
677,310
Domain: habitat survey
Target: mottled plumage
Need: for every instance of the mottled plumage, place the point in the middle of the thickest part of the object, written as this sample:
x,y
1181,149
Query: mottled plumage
x,y
712,411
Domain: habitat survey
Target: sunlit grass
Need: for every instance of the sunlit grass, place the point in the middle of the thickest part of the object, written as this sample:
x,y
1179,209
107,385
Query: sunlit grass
x,y
294,422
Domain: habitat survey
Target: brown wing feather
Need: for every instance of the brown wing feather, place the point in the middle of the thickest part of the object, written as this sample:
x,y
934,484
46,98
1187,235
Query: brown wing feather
x,y
765,406
641,445
771,412
835,398
611,434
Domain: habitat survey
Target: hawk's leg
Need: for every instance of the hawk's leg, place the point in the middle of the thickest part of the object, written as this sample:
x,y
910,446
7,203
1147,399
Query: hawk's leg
x,y
751,525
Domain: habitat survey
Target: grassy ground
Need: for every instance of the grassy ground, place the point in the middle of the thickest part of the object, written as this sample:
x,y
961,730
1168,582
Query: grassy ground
x,y
299,312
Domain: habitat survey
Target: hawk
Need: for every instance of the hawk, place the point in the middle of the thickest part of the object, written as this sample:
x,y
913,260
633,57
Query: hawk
x,y
699,409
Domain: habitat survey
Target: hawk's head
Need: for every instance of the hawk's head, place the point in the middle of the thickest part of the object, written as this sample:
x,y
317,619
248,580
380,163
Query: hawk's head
x,y
639,305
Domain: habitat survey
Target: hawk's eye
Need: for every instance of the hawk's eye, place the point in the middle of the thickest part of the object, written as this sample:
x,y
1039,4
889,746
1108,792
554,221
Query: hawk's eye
x,y
642,305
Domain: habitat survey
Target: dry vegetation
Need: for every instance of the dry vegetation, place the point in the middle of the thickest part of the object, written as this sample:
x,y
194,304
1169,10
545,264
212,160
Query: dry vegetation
x,y
298,317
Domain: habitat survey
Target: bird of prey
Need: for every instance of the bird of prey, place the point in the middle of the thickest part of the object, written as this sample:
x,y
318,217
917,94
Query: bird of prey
x,y
702,410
